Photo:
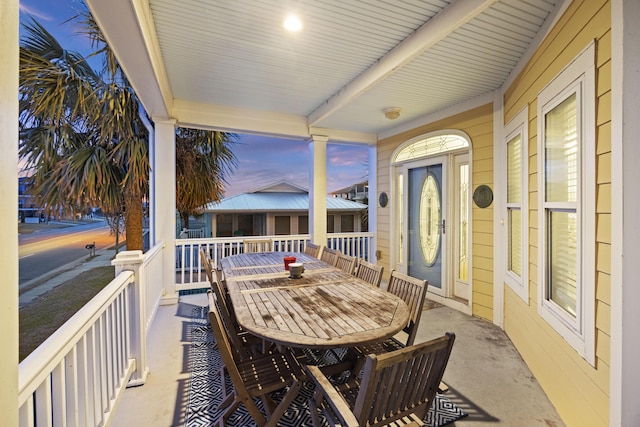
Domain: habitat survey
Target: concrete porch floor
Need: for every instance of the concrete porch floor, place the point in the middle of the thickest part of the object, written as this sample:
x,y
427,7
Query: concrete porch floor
x,y
486,375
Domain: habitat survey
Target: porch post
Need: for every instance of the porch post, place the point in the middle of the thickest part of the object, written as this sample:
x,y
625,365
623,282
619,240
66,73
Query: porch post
x,y
9,20
163,202
373,189
132,261
625,211
372,194
318,189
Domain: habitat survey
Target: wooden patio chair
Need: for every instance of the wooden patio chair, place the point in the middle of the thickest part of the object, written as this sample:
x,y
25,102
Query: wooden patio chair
x,y
257,245
412,291
243,344
255,377
312,249
346,263
330,256
370,272
396,388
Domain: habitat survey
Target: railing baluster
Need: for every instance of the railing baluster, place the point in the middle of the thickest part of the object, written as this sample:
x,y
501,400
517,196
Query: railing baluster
x,y
43,404
70,389
58,397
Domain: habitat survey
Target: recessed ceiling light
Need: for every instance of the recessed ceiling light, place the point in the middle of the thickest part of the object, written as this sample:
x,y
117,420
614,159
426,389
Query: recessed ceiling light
x,y
292,23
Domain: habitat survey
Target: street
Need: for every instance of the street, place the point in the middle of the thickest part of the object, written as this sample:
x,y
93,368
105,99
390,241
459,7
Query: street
x,y
44,251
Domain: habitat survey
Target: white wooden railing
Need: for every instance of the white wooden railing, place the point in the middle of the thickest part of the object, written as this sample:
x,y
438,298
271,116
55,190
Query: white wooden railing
x,y
78,374
190,272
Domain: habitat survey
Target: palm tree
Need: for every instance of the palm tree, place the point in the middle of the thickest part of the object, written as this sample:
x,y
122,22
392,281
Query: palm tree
x,y
201,155
84,140
81,132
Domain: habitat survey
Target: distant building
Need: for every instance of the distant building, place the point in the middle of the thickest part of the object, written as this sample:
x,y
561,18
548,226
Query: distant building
x,y
28,210
356,193
280,208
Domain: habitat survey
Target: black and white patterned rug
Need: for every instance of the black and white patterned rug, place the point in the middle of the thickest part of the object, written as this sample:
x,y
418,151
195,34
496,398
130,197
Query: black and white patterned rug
x,y
205,388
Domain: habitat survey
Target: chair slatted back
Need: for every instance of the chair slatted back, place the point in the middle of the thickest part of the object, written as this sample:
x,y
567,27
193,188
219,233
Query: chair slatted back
x,y
402,382
257,245
346,263
229,322
312,249
370,272
330,256
206,263
413,292
223,340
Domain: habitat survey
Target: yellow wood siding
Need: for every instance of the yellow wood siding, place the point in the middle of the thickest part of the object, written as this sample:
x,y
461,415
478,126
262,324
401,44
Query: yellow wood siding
x,y
478,124
579,391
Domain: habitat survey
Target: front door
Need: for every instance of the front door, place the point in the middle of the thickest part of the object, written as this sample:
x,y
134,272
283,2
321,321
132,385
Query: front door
x,y
426,224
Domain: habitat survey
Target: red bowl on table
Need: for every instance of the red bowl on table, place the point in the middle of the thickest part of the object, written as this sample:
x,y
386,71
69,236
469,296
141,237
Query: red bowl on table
x,y
288,260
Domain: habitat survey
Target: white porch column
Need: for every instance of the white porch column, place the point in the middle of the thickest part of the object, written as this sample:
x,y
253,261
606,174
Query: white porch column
x,y
372,195
625,211
373,189
318,189
163,202
132,261
9,20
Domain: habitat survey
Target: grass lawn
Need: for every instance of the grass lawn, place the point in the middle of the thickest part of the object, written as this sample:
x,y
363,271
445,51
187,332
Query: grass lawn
x,y
42,317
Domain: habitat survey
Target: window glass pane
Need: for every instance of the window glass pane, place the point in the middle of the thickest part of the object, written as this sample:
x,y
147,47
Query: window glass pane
x,y
303,224
562,259
561,152
330,226
245,226
463,233
224,225
283,225
346,223
514,169
514,252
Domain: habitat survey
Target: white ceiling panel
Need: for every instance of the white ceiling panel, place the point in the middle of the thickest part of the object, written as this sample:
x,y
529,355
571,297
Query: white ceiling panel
x,y
352,59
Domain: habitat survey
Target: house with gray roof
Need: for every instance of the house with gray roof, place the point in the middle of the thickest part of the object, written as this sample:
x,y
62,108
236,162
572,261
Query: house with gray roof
x,y
280,208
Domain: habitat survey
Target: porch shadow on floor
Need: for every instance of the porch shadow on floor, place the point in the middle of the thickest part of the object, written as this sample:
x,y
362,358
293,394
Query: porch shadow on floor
x,y
486,375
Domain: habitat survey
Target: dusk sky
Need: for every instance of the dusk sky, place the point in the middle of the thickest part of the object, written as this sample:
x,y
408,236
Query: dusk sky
x,y
261,159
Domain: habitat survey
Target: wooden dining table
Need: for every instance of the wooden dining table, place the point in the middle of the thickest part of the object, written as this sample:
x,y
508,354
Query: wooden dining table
x,y
325,308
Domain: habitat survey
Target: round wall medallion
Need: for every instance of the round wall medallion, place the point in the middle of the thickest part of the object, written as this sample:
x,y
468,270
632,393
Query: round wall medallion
x,y
483,196
383,199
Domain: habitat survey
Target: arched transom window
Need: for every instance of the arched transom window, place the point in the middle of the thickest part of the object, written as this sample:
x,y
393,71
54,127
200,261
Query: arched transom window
x,y
431,144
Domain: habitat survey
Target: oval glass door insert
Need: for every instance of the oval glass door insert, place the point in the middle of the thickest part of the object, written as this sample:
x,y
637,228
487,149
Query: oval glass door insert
x,y
430,220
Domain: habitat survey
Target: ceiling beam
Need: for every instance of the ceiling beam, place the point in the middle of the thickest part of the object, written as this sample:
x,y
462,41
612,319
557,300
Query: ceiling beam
x,y
430,33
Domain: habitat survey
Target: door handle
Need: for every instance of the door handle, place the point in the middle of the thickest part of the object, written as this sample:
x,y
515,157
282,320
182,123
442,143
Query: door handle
x,y
441,226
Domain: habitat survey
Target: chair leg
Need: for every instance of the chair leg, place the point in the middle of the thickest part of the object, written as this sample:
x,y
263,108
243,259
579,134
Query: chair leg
x,y
255,413
294,389
313,409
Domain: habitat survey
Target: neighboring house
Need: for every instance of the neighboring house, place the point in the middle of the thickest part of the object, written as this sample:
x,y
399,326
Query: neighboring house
x,y
357,192
279,208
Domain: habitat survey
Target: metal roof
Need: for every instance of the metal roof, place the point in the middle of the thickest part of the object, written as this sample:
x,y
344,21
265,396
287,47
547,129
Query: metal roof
x,y
229,64
277,202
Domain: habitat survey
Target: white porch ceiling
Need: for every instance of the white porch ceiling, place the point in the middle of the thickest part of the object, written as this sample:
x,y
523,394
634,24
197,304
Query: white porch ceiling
x,y
230,65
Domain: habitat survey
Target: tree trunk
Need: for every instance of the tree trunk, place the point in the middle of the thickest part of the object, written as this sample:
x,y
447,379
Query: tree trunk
x,y
184,216
133,221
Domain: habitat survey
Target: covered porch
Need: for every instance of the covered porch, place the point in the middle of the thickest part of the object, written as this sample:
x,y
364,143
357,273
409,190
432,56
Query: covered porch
x,y
382,76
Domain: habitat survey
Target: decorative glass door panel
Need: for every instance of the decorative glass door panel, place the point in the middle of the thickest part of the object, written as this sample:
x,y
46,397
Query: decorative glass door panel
x,y
426,225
